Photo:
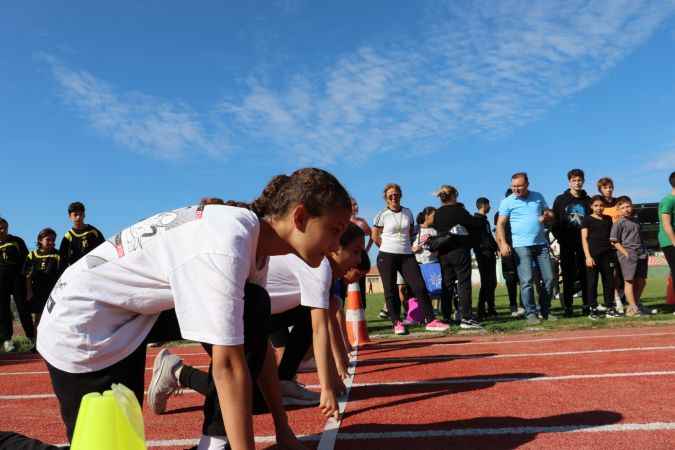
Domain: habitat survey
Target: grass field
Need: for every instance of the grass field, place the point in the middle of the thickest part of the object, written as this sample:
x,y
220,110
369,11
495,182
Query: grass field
x,y
653,297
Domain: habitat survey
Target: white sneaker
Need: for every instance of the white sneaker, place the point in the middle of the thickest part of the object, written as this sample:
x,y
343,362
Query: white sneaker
x,y
213,443
308,365
601,308
294,393
163,382
8,346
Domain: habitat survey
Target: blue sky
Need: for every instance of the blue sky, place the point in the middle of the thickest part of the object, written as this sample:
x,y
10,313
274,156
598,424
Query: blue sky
x,y
138,107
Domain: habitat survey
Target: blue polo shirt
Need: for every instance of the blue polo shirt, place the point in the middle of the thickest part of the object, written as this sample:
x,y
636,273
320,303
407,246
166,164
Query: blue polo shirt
x,y
523,215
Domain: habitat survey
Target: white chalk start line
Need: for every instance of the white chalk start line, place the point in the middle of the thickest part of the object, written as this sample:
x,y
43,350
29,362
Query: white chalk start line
x,y
330,431
441,382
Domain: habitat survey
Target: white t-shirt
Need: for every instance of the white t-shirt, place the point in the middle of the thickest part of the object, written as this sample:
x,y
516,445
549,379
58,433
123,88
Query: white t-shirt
x,y
291,282
196,259
395,230
425,256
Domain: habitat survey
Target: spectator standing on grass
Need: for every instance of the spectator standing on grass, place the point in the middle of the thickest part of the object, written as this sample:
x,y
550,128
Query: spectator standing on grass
x,y
625,236
667,225
13,253
606,189
485,249
570,208
455,257
80,239
42,270
595,232
392,233
527,211
509,270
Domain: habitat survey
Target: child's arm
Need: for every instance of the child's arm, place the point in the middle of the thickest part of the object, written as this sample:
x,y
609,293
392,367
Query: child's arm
x,y
268,382
338,349
620,248
668,227
324,363
590,262
615,239
233,384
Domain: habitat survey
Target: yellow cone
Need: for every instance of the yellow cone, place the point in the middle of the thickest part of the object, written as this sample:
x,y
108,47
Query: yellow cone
x,y
112,421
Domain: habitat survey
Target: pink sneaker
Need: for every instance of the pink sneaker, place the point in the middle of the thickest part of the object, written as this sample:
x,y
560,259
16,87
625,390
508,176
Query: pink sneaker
x,y
436,325
399,328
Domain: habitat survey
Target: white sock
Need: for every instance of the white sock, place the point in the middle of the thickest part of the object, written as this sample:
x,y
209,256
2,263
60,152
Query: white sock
x,y
212,443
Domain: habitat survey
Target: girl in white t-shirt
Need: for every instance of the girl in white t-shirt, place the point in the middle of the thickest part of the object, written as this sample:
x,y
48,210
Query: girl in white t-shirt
x,y
425,220
202,261
300,297
392,233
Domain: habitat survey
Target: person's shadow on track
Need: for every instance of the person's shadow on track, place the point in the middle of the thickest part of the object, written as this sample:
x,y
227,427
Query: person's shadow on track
x,y
420,390
498,432
407,362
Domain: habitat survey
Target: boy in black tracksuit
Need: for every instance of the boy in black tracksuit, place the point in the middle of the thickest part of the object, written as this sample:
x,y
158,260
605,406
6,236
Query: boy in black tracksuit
x,y
79,240
570,208
485,249
13,253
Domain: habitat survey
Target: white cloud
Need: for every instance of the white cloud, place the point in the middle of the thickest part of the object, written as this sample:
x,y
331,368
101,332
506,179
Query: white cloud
x,y
143,123
662,161
484,67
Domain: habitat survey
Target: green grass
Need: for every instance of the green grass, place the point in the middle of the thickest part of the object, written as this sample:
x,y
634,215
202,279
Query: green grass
x,y
653,297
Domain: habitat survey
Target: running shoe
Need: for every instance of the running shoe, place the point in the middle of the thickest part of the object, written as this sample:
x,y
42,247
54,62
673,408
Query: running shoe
x,y
469,324
594,314
296,394
613,314
163,382
383,314
633,311
601,308
399,328
436,325
8,346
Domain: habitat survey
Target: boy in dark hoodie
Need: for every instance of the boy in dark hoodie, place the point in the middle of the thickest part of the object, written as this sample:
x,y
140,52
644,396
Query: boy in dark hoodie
x,y
485,249
79,240
570,208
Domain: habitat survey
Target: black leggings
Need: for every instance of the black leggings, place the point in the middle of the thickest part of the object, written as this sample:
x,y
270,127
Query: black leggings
x,y
511,280
669,253
12,285
388,264
572,264
456,266
604,266
487,266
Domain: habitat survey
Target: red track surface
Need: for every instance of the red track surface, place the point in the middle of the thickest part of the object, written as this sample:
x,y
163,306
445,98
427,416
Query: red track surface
x,y
460,391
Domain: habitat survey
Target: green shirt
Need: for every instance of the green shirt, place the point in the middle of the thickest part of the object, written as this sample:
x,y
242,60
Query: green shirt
x,y
667,206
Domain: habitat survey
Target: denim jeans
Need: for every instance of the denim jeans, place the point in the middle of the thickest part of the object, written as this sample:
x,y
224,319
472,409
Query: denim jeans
x,y
525,257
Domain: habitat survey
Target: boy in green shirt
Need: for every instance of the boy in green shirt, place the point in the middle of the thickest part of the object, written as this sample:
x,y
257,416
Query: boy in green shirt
x,y
667,225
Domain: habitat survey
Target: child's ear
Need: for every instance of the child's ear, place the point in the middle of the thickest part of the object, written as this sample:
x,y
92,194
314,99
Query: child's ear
x,y
300,217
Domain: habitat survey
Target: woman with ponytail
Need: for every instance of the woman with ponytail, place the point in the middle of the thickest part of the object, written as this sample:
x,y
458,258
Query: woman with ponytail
x,y
208,262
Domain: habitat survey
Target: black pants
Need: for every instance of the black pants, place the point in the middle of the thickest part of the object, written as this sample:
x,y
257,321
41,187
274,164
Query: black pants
x,y
669,253
456,266
14,285
510,274
604,266
15,441
296,343
388,264
572,263
487,267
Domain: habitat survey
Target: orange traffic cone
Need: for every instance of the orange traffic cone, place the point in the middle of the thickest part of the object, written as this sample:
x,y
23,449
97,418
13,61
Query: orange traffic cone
x,y
670,292
357,330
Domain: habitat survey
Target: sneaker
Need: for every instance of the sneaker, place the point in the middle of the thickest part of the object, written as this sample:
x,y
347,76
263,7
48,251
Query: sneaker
x,y
532,319
383,314
163,382
399,328
633,312
520,312
436,325
594,314
601,308
469,324
613,314
308,365
8,346
296,394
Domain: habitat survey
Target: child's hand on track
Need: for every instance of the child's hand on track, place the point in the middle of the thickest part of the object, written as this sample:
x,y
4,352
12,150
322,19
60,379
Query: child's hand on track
x,y
329,404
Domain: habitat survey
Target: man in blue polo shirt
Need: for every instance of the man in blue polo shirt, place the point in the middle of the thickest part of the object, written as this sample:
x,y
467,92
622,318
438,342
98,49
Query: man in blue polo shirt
x,y
527,212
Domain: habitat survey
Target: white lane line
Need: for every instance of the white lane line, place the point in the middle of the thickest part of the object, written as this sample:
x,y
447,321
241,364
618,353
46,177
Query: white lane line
x,y
527,341
573,428
330,431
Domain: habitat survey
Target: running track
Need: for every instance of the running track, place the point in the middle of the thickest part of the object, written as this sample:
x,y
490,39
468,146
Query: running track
x,y
607,388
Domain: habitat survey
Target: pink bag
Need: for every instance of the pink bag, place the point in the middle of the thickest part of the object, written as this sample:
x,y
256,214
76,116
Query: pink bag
x,y
415,313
